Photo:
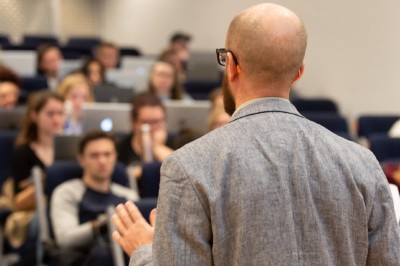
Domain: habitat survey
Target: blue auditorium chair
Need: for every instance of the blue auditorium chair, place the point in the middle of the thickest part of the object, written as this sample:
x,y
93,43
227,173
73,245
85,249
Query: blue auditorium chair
x,y
7,140
34,41
385,148
316,106
375,124
4,41
200,90
335,123
62,171
83,45
149,182
129,51
31,84
7,143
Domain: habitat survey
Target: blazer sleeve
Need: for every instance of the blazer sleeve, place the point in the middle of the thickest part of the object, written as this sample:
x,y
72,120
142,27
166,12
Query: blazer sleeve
x,y
383,231
183,231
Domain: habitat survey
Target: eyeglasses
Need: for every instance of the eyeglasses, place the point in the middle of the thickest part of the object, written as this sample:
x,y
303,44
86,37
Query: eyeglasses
x,y
221,56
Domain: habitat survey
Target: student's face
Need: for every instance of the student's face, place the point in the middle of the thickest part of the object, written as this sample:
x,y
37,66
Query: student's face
x,y
50,119
98,159
94,73
109,57
77,96
9,93
162,77
152,115
51,61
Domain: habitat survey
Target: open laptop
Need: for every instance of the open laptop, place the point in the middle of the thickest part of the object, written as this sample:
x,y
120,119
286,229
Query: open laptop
x,y
66,147
68,66
109,117
108,93
134,72
203,66
21,62
12,119
191,114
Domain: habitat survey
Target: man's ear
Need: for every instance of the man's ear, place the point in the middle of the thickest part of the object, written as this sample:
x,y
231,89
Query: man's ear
x,y
232,69
299,73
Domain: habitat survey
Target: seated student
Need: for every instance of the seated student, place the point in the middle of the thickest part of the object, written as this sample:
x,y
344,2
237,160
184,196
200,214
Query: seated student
x,y
146,109
164,82
94,71
48,63
44,118
108,54
9,88
217,118
76,91
178,52
78,206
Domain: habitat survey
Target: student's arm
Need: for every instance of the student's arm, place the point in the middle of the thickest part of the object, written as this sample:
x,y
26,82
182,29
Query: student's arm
x,y
64,214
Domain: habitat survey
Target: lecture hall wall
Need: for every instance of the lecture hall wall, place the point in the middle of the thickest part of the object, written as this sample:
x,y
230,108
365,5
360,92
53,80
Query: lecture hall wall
x,y
353,52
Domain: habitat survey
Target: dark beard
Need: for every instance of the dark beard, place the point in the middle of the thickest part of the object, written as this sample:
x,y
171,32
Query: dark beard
x,y
229,101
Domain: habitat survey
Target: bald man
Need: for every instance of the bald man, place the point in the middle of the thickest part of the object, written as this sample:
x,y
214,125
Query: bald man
x,y
270,187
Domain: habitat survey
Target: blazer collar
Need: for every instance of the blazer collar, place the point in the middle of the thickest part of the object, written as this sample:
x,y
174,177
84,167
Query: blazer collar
x,y
265,105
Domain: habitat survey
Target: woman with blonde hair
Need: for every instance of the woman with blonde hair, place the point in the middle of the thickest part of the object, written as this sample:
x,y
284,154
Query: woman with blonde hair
x,y
76,91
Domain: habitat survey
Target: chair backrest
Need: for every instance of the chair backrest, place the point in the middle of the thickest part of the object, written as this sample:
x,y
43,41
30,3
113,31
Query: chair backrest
x,y
200,90
35,40
316,105
333,122
4,41
62,171
145,206
375,124
385,148
7,141
149,183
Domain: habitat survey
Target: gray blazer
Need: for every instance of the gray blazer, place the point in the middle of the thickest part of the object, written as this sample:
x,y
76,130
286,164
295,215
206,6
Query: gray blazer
x,y
273,188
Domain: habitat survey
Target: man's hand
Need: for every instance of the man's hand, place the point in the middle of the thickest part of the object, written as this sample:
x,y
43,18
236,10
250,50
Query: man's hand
x,y
132,229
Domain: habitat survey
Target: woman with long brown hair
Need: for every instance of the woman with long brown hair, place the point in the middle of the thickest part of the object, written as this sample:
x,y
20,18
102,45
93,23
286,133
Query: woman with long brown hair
x,y
43,119
164,82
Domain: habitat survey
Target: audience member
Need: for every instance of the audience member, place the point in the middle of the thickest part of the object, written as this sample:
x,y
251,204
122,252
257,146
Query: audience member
x,y
270,187
76,91
146,109
217,118
48,62
170,56
9,88
108,54
216,98
94,71
44,118
164,82
178,53
78,206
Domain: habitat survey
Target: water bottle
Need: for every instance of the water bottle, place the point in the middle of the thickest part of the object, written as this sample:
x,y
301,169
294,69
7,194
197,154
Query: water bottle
x,y
147,149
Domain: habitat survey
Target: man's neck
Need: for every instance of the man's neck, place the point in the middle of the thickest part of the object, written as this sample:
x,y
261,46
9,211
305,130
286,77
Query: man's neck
x,y
99,185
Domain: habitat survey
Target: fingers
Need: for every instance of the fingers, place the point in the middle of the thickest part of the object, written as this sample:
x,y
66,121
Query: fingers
x,y
123,215
118,224
133,211
153,215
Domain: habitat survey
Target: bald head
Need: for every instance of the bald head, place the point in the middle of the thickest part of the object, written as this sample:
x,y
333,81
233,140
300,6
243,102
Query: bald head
x,y
269,42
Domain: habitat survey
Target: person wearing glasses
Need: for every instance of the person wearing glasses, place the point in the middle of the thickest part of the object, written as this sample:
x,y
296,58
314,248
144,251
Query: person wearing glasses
x,y
147,109
270,187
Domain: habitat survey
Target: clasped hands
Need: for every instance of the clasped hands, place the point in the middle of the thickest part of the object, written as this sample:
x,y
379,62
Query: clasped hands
x,y
133,231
